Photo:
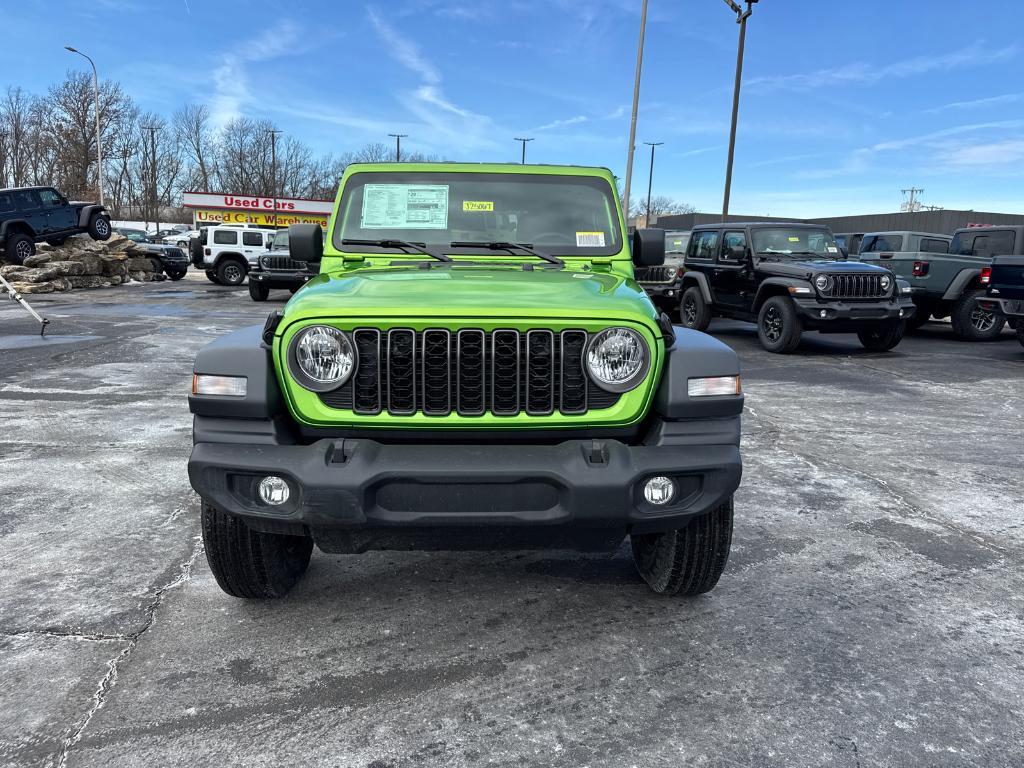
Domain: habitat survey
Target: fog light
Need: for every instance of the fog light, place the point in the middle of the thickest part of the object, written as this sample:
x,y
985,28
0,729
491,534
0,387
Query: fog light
x,y
823,313
659,490
901,313
273,490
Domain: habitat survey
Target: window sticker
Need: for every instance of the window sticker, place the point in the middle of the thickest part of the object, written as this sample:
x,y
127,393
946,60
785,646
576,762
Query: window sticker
x,y
405,206
477,205
833,249
794,239
590,239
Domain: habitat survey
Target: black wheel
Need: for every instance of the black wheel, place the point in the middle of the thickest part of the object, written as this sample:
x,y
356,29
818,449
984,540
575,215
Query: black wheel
x,y
1020,333
694,312
99,227
973,323
778,326
195,251
18,248
212,277
258,292
248,563
231,272
687,561
883,338
176,275
56,241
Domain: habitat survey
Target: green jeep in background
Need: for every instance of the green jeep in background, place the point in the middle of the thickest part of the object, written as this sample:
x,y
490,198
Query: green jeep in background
x,y
473,368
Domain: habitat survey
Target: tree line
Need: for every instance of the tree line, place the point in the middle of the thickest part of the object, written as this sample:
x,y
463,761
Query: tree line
x,y
149,160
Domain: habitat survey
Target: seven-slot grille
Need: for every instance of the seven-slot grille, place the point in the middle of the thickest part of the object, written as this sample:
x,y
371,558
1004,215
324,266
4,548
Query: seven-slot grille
x,y
282,263
862,285
469,372
663,274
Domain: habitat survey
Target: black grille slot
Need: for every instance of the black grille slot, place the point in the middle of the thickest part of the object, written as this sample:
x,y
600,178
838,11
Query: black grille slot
x,y
471,378
856,286
283,263
402,372
471,372
540,372
574,378
655,274
505,373
436,361
366,382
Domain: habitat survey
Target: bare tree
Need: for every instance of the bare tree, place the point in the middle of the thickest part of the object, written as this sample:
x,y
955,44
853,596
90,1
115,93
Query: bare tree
x,y
661,205
195,135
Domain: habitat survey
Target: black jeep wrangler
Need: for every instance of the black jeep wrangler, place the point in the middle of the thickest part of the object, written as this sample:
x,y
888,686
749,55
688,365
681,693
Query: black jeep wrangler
x,y
173,260
1006,291
29,215
277,269
789,278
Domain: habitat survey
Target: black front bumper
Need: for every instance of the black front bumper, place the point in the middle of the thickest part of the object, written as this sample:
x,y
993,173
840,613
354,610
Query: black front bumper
x,y
279,278
584,484
843,316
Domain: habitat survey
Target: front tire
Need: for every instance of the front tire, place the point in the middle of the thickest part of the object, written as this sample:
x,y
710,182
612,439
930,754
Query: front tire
x,y
249,563
778,326
99,227
694,312
176,275
884,338
258,292
973,323
688,561
231,272
18,248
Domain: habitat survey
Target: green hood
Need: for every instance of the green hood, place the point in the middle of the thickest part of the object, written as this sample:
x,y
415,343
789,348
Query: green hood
x,y
472,291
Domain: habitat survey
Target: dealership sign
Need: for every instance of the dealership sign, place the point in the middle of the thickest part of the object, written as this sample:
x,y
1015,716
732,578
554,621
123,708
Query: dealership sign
x,y
256,205
207,216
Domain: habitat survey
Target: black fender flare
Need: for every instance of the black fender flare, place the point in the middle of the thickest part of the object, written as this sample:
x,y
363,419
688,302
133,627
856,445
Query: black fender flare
x,y
240,257
775,286
16,224
963,278
241,353
693,354
702,282
87,213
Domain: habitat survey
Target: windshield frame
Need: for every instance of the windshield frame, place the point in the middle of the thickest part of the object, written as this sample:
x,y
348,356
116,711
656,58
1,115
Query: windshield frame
x,y
830,241
358,180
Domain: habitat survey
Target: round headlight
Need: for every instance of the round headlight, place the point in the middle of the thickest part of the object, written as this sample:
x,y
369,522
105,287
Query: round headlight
x,y
617,359
823,282
886,282
321,358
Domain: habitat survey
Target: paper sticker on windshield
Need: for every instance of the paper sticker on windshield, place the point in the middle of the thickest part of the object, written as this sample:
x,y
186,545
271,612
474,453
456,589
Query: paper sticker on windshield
x,y
477,205
405,206
590,239
794,239
833,249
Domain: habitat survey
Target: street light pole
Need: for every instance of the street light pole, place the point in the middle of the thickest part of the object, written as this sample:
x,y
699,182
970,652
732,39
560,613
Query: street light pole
x,y
741,19
273,168
99,143
398,144
156,198
523,140
650,178
636,104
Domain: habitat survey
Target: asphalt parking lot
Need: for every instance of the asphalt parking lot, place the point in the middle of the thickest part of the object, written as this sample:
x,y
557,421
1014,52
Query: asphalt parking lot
x,y
872,612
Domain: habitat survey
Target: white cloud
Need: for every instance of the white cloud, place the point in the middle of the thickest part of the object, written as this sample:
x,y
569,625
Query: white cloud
x,y
999,154
562,123
866,73
403,50
230,77
990,101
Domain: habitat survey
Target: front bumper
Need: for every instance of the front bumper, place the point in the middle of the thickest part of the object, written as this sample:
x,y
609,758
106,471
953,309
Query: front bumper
x,y
280,278
583,484
840,315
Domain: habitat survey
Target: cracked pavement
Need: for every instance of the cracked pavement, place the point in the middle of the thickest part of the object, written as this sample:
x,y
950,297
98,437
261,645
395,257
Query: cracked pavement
x,y
872,612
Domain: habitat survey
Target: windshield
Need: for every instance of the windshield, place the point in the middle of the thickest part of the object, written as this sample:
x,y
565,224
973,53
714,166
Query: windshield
x,y
803,241
676,242
280,242
560,215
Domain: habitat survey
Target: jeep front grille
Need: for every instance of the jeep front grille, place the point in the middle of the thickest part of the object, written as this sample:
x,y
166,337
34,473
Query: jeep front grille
x,y
469,372
856,286
663,274
284,263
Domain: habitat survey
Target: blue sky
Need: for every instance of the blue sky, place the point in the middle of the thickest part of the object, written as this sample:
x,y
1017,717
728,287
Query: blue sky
x,y
844,103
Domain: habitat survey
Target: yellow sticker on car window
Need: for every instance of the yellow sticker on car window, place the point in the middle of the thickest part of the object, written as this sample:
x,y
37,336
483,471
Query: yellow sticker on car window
x,y
477,205
590,239
794,239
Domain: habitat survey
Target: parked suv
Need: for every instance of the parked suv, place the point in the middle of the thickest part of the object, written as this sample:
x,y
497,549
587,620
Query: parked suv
x,y
29,215
473,368
277,269
173,260
948,282
227,253
789,278
1006,291
662,283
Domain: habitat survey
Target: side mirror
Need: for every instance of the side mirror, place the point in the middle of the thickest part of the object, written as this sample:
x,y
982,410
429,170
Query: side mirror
x,y
306,242
649,247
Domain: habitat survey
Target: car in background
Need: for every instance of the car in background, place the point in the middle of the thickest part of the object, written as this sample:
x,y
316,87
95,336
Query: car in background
x,y
662,283
277,269
1006,291
173,260
135,235
227,253
180,237
29,215
849,241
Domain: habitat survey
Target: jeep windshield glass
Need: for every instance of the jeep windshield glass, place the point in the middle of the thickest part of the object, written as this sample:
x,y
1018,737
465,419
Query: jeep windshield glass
x,y
557,215
785,241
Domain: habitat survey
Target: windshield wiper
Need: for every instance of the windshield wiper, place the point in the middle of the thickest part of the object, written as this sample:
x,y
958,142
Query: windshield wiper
x,y
503,246
420,247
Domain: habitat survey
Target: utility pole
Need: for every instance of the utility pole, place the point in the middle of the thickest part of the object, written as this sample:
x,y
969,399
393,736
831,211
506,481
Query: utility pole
x,y
911,205
99,142
152,143
741,19
636,104
524,147
273,168
650,178
398,144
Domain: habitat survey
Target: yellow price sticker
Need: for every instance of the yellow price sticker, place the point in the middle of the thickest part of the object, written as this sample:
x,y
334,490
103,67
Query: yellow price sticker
x,y
477,205
794,239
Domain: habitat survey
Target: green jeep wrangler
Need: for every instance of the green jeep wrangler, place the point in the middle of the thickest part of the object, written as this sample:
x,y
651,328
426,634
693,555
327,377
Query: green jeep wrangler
x,y
474,367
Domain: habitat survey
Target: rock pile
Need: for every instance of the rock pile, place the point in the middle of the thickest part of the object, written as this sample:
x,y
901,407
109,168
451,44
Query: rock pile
x,y
81,262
